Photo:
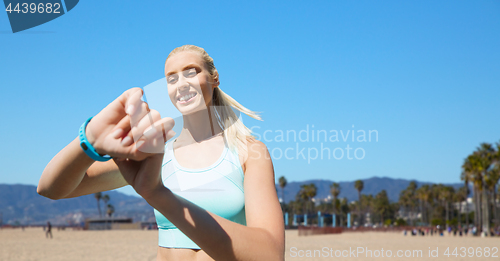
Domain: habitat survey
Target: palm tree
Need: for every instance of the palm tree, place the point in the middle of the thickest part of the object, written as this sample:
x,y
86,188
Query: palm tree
x,y
484,159
302,197
335,191
382,205
438,201
407,199
459,197
296,206
358,184
465,178
497,198
447,196
98,197
423,194
344,209
282,182
471,174
368,205
444,195
110,210
311,192
491,180
404,201
307,192
106,199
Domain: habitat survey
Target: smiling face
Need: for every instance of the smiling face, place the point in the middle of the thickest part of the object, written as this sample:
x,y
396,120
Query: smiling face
x,y
189,82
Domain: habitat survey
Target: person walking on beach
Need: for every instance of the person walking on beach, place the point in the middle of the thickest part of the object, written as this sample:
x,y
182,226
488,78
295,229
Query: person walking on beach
x,y
49,230
212,188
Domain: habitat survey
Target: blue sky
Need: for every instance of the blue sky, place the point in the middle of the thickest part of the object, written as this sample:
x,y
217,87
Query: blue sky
x,y
424,75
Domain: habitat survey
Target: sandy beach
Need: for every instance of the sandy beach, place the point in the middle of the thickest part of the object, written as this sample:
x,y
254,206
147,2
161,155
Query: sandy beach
x,y
135,245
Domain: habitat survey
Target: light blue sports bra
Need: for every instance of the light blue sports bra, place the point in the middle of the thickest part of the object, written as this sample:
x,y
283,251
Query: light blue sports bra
x,y
217,188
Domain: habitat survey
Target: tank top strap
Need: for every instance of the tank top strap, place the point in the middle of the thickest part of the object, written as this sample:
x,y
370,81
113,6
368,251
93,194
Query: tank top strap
x,y
234,158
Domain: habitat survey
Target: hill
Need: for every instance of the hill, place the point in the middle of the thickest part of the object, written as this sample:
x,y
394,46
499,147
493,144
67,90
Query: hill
x,y
371,186
23,205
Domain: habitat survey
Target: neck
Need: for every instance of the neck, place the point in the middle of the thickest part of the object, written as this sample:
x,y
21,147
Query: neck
x,y
199,126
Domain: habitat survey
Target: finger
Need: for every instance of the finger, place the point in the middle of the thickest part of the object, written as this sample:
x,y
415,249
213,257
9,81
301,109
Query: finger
x,y
155,137
121,128
142,117
125,146
155,144
133,100
120,104
136,108
151,143
162,126
144,123
133,137
128,97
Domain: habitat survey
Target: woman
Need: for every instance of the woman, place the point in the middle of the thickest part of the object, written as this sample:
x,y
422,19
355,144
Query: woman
x,y
209,205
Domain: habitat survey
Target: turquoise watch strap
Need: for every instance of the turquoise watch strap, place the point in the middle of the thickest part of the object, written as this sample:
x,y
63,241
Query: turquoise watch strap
x,y
87,147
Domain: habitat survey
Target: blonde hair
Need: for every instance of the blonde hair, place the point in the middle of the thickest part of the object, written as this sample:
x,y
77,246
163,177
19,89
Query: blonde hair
x,y
235,131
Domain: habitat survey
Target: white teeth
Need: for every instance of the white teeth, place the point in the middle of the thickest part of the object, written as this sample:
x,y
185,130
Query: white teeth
x,y
186,97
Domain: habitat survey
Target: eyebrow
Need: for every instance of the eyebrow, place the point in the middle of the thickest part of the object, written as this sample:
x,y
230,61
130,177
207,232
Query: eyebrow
x,y
191,65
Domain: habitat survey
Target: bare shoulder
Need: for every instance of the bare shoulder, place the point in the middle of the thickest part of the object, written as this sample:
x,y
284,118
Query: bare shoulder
x,y
258,155
257,150
253,151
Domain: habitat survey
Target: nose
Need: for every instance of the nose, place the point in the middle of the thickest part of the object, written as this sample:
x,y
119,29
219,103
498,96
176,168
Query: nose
x,y
183,84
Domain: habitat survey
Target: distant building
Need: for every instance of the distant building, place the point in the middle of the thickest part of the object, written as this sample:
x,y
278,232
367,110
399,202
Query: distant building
x,y
110,223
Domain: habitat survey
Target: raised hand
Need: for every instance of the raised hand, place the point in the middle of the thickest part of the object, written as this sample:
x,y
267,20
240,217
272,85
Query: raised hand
x,y
144,176
127,128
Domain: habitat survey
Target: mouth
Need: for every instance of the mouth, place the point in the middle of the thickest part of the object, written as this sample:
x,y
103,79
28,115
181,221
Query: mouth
x,y
186,98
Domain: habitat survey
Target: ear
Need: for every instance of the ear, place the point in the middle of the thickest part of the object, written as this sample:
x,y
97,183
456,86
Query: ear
x,y
215,79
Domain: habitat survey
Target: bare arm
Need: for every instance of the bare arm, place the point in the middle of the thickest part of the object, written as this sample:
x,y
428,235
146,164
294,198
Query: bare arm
x,y
262,239
71,173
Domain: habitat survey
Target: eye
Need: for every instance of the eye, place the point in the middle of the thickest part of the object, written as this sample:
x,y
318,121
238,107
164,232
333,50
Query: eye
x,y
171,79
189,73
